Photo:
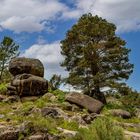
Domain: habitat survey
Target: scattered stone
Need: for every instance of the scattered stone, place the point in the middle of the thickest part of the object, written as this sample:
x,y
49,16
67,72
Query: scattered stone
x,y
120,113
29,98
67,133
2,116
85,101
2,97
9,135
50,97
11,99
53,137
137,113
132,135
129,125
53,112
26,65
71,107
25,127
77,118
38,137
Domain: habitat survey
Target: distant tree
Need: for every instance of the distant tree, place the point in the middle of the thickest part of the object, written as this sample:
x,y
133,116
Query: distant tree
x,y
94,55
8,50
55,82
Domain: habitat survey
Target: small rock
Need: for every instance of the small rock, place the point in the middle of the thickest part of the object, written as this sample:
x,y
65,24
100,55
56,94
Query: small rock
x,y
132,135
38,137
137,113
25,126
2,116
120,113
9,135
29,98
53,137
11,99
67,133
78,118
2,97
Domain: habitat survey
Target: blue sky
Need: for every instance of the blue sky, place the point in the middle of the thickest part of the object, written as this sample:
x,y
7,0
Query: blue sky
x,y
39,25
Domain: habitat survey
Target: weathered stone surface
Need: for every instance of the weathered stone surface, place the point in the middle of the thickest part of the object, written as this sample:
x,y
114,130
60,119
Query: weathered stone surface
x,y
49,97
53,112
120,113
11,99
26,65
38,137
9,135
29,85
85,101
67,133
132,135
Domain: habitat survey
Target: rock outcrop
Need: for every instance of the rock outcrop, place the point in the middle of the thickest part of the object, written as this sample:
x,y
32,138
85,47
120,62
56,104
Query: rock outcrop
x,y
85,101
28,77
22,65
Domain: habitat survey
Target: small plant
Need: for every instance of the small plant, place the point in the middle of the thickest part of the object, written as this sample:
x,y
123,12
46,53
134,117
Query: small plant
x,y
3,88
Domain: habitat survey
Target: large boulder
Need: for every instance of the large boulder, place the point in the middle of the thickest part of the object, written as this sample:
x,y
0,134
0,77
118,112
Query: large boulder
x,y
85,101
28,85
26,65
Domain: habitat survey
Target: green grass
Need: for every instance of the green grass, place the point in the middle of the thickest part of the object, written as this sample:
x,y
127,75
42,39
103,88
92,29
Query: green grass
x,y
100,129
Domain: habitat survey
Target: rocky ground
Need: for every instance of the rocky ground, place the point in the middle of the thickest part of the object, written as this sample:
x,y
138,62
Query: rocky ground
x,y
53,117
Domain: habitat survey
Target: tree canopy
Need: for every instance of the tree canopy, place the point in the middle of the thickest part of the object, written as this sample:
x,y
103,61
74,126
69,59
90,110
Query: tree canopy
x,y
94,54
8,50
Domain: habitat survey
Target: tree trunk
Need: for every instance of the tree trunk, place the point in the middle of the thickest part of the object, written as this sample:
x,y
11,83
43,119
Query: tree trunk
x,y
97,94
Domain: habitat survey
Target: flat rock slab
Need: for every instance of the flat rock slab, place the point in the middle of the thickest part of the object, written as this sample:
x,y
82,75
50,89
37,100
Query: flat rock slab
x,y
85,101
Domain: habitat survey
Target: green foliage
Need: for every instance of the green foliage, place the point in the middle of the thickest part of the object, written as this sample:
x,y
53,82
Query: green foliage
x,y
132,99
100,129
55,82
3,88
60,95
70,125
94,55
40,102
8,50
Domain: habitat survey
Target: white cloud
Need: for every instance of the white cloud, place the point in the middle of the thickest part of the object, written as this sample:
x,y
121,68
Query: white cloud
x,y
124,13
29,15
27,24
50,56
33,15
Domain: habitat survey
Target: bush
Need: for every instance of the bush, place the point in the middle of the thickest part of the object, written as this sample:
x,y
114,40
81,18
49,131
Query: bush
x,y
100,129
3,88
60,94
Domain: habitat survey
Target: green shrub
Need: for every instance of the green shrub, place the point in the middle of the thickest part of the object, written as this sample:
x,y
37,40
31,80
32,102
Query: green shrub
x,y
3,88
72,125
40,103
100,129
60,94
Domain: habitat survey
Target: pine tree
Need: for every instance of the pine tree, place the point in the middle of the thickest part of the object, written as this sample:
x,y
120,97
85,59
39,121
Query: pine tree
x,y
94,55
8,50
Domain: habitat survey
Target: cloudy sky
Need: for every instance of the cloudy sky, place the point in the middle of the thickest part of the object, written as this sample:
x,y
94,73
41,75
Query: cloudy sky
x,y
39,25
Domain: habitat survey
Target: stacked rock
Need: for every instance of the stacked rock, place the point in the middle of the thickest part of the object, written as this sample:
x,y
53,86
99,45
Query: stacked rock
x,y
28,77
